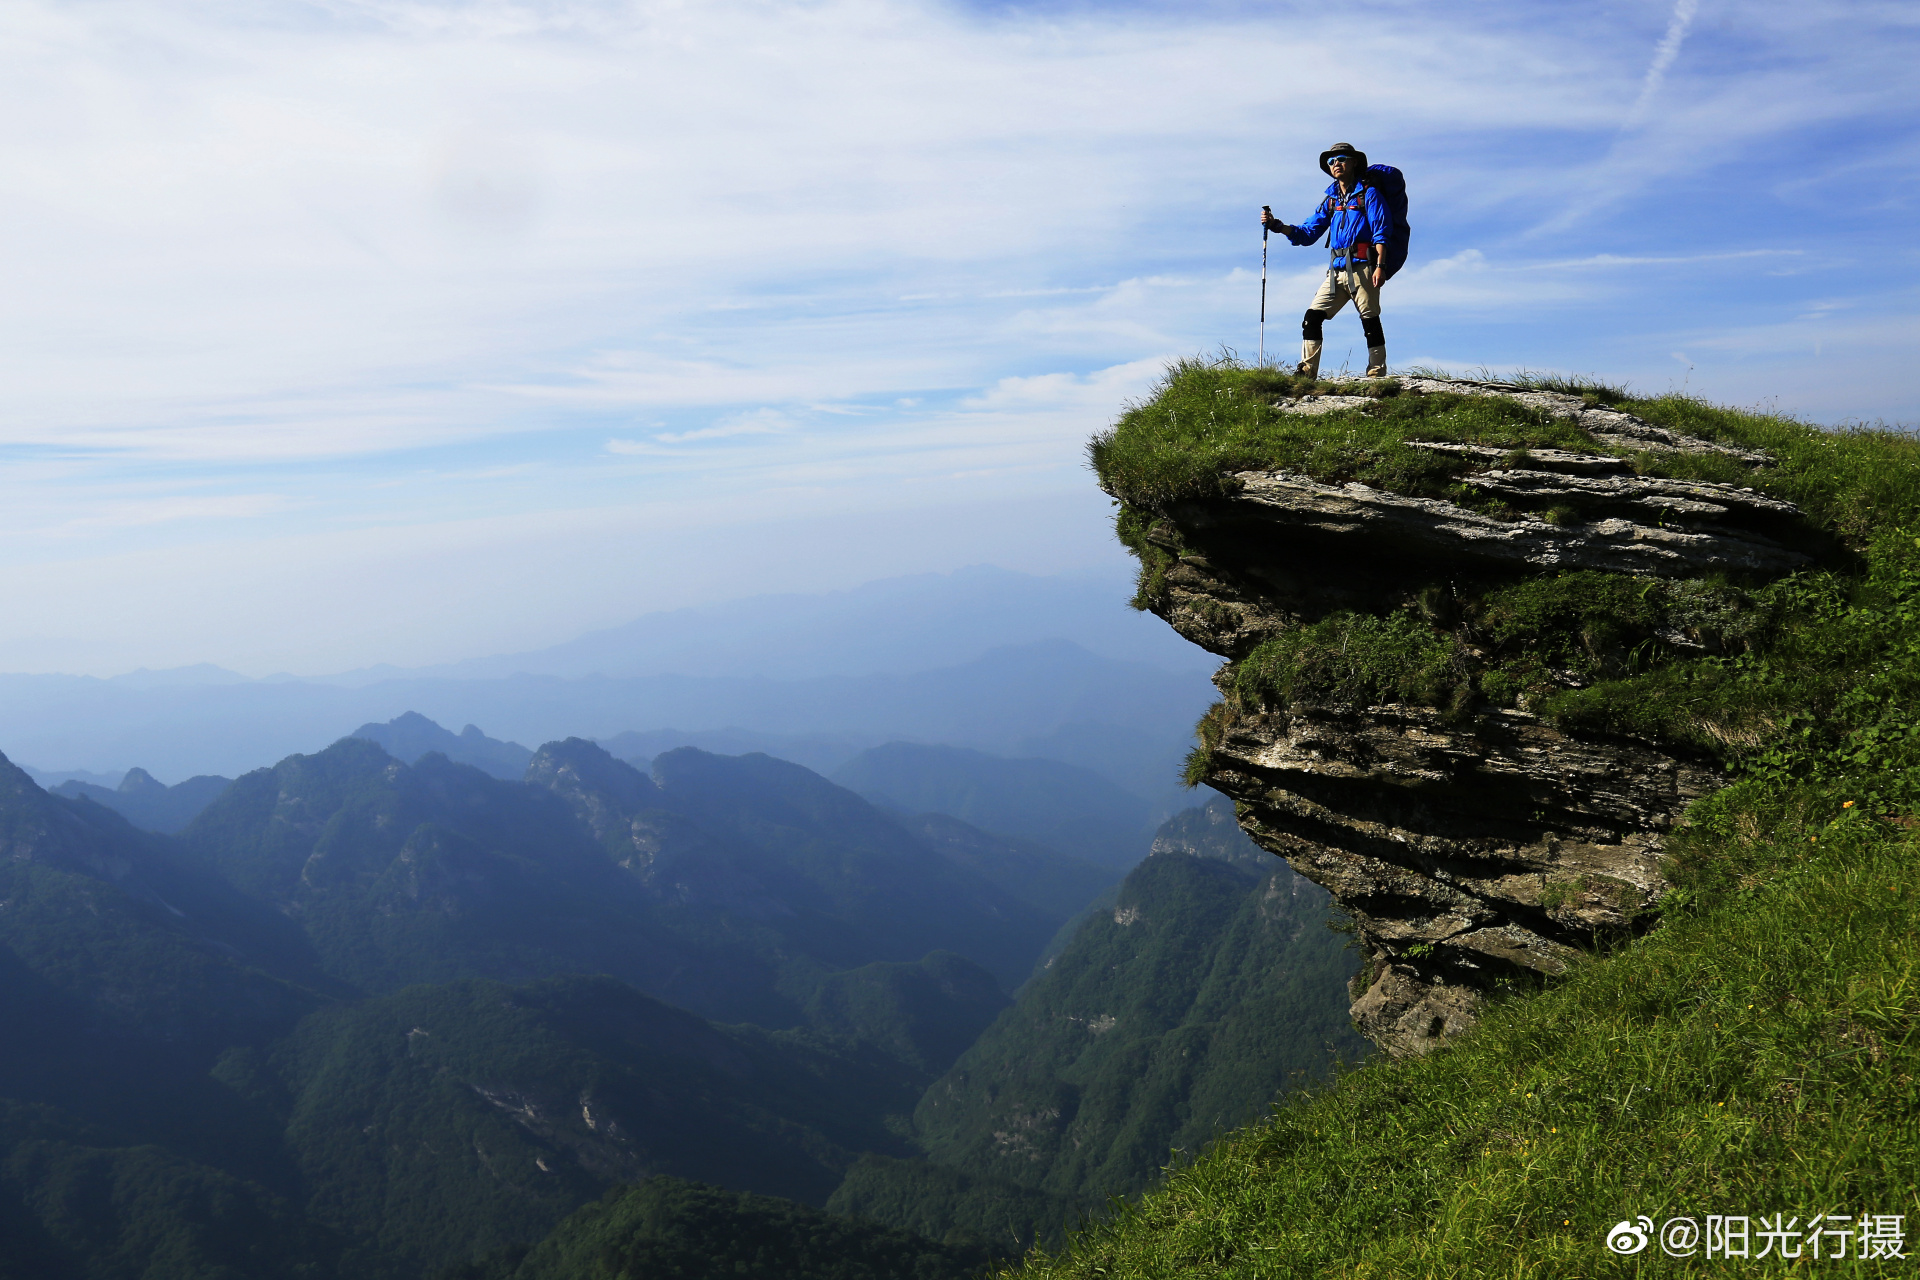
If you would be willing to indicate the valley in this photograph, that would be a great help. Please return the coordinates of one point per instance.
(407, 1004)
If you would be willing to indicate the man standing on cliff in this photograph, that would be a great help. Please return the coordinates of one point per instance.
(1359, 221)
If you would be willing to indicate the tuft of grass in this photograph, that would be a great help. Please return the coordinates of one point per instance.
(1357, 660)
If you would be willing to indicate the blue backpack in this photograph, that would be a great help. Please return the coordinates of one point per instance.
(1392, 186)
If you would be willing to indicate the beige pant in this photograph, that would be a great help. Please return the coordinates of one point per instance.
(1335, 291)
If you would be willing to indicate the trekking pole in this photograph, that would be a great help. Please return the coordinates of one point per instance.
(1268, 210)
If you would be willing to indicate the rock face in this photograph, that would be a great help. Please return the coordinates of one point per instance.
(1467, 850)
(1463, 854)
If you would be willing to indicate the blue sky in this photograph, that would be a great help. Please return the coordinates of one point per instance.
(343, 333)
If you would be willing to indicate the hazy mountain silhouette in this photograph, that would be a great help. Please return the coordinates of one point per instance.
(893, 625)
(818, 752)
(995, 702)
(1055, 804)
(148, 803)
(410, 735)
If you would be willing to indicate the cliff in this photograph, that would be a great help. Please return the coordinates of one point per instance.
(1417, 591)
(1752, 1038)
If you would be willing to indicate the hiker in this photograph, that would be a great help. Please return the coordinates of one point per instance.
(1360, 223)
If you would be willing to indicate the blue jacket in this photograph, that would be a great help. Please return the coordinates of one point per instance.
(1359, 217)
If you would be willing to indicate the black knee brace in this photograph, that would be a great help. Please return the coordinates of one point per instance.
(1310, 327)
(1376, 336)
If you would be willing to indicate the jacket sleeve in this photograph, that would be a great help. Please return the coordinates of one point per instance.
(1311, 230)
(1379, 221)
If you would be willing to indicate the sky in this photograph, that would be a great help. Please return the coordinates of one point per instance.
(344, 333)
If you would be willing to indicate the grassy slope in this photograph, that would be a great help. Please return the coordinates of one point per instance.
(1755, 1053)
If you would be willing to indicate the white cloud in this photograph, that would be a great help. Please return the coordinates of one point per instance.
(1663, 56)
(1100, 390)
(421, 264)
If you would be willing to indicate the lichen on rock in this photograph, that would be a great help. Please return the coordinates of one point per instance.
(1408, 588)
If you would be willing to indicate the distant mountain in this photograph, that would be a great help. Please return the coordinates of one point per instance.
(411, 735)
(47, 780)
(729, 885)
(894, 625)
(338, 1026)
(1210, 987)
(1059, 805)
(138, 941)
(880, 893)
(1057, 883)
(819, 753)
(1212, 831)
(402, 874)
(200, 673)
(1051, 691)
(187, 1077)
(148, 803)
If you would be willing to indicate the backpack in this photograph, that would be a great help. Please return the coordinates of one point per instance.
(1392, 186)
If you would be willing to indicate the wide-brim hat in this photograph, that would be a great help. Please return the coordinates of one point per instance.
(1346, 149)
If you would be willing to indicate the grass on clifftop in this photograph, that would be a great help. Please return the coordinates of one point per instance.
(1756, 1054)
(1710, 666)
(1209, 418)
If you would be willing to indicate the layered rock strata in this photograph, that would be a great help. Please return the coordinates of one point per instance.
(1467, 850)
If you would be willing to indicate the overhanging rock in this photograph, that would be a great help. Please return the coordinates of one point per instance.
(1471, 849)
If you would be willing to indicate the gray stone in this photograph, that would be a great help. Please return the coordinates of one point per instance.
(1608, 426)
(1472, 850)
(1463, 853)
(1634, 536)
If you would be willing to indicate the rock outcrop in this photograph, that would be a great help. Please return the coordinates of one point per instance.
(1469, 848)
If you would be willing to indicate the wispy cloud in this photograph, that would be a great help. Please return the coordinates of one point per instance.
(427, 267)
(759, 422)
(1663, 57)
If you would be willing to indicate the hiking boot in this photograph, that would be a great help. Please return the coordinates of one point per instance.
(1309, 366)
(1376, 362)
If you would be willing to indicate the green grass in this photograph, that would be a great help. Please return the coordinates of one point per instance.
(1590, 651)
(1207, 419)
(1755, 1055)
(1755, 1052)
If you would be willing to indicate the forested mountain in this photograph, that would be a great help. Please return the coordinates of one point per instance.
(730, 886)
(219, 1054)
(441, 1122)
(676, 1230)
(127, 978)
(1177, 1017)
(759, 857)
(1211, 985)
(370, 1019)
